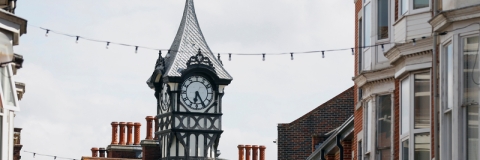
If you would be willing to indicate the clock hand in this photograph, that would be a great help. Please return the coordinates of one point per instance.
(200, 98)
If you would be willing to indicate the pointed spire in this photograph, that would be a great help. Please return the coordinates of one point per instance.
(188, 40)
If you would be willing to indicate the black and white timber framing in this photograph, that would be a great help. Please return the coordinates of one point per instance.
(185, 133)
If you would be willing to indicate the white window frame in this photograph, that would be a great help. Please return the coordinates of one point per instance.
(367, 50)
(420, 10)
(392, 127)
(410, 136)
(400, 13)
(462, 111)
(14, 90)
(447, 113)
(375, 12)
(3, 140)
(368, 151)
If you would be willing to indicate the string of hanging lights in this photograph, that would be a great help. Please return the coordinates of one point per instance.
(137, 47)
(46, 155)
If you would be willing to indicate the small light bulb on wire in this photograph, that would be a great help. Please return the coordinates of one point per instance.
(291, 55)
(323, 54)
(383, 49)
(218, 56)
(229, 57)
(353, 51)
(263, 56)
(160, 53)
(413, 40)
(108, 43)
(77, 39)
(136, 49)
(46, 34)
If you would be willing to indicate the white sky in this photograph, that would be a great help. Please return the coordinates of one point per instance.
(74, 91)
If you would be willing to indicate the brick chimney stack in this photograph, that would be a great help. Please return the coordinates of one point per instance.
(262, 152)
(248, 148)
(114, 133)
(94, 152)
(137, 133)
(240, 152)
(255, 152)
(129, 133)
(102, 152)
(122, 133)
(149, 127)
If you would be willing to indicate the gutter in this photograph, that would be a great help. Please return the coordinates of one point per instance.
(339, 145)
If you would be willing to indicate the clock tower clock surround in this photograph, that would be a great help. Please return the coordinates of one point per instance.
(189, 86)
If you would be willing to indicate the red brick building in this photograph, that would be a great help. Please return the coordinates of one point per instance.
(297, 140)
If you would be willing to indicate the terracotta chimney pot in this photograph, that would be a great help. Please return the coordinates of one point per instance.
(149, 127)
(262, 152)
(129, 133)
(241, 155)
(156, 128)
(255, 152)
(94, 152)
(102, 152)
(122, 133)
(114, 133)
(247, 153)
(137, 133)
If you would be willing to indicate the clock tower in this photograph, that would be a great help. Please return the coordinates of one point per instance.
(189, 83)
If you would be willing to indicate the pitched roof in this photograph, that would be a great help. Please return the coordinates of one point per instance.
(188, 41)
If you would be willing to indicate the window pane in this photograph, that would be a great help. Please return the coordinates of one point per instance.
(449, 57)
(382, 19)
(368, 28)
(384, 124)
(404, 6)
(7, 86)
(369, 126)
(360, 43)
(447, 140)
(471, 94)
(422, 101)
(405, 106)
(360, 151)
(405, 150)
(422, 146)
(417, 4)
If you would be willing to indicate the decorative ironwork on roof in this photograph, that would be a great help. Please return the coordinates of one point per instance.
(188, 41)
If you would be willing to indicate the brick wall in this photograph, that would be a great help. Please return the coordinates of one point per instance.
(295, 138)
(151, 152)
(347, 150)
(396, 120)
(358, 116)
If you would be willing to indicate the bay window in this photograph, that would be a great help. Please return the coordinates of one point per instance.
(367, 29)
(471, 98)
(8, 92)
(368, 124)
(384, 127)
(417, 4)
(403, 6)
(382, 19)
(447, 99)
(415, 116)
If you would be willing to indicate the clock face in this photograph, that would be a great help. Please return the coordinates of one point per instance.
(196, 92)
(165, 100)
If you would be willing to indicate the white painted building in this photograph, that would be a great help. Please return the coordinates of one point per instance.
(11, 28)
